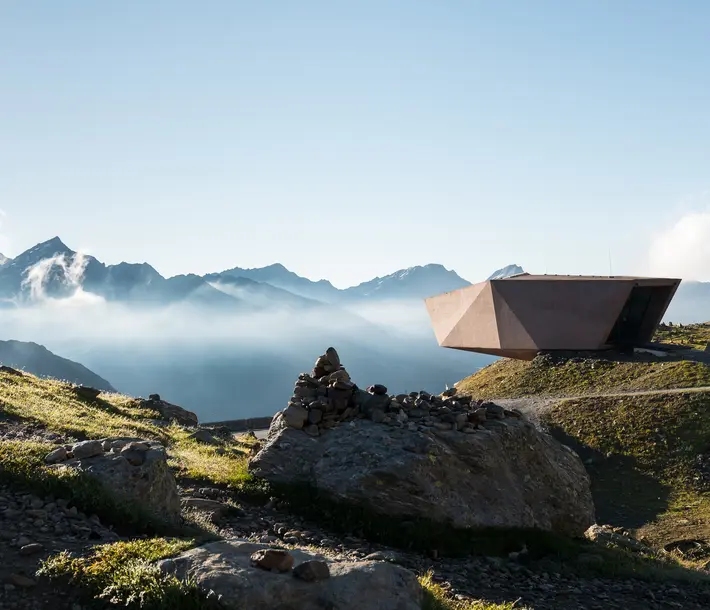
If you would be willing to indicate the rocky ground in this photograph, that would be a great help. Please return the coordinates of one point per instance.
(543, 586)
(33, 528)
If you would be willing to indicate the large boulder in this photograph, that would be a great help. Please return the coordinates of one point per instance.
(228, 568)
(130, 469)
(504, 473)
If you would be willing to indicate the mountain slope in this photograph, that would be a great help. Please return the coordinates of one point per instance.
(412, 283)
(278, 276)
(38, 360)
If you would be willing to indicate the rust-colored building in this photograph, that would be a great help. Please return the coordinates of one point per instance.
(521, 315)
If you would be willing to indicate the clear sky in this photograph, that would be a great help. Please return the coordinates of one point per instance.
(347, 139)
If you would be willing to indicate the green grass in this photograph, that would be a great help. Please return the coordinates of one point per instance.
(124, 574)
(696, 336)
(55, 406)
(643, 451)
(437, 598)
(519, 378)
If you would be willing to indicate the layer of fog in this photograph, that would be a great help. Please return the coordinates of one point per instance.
(229, 365)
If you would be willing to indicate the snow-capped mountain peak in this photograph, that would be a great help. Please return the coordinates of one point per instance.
(506, 271)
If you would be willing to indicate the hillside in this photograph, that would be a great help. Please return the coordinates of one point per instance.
(642, 427)
(38, 360)
(36, 415)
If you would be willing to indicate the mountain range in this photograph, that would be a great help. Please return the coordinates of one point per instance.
(56, 271)
(229, 344)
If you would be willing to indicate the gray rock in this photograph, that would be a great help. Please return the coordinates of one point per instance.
(295, 416)
(315, 416)
(279, 560)
(312, 571)
(87, 449)
(151, 483)
(86, 392)
(203, 436)
(332, 357)
(377, 415)
(31, 549)
(226, 568)
(503, 476)
(215, 508)
(58, 455)
(170, 411)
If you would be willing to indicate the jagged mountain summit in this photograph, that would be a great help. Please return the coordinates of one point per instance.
(4, 259)
(412, 283)
(278, 276)
(507, 271)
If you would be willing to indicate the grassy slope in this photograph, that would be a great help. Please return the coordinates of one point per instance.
(53, 405)
(517, 378)
(642, 452)
(122, 571)
(692, 335)
(641, 449)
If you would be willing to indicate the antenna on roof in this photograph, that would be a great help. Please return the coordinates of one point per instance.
(610, 273)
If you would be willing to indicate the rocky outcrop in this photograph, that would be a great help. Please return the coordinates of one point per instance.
(130, 468)
(463, 463)
(247, 575)
(170, 411)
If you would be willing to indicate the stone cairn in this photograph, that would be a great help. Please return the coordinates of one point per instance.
(327, 396)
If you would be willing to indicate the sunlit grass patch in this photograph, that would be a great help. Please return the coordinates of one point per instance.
(437, 597)
(124, 574)
(507, 378)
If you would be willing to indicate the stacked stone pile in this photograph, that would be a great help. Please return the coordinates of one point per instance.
(328, 396)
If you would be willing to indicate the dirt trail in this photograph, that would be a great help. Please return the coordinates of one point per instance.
(533, 407)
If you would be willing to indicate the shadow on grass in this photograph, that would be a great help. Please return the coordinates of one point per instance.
(623, 495)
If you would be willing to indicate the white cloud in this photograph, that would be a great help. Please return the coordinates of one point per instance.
(683, 249)
(72, 271)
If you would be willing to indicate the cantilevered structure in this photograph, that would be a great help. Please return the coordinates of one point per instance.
(521, 315)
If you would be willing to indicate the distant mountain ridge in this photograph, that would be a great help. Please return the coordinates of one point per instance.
(38, 360)
(57, 271)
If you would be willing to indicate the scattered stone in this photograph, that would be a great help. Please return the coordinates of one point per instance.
(22, 581)
(58, 455)
(87, 449)
(215, 508)
(170, 411)
(312, 571)
(377, 389)
(203, 436)
(272, 559)
(86, 392)
(31, 549)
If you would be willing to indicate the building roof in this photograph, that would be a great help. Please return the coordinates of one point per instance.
(521, 315)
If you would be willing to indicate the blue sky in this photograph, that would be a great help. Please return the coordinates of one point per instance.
(350, 139)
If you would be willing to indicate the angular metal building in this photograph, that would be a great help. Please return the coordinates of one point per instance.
(521, 315)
